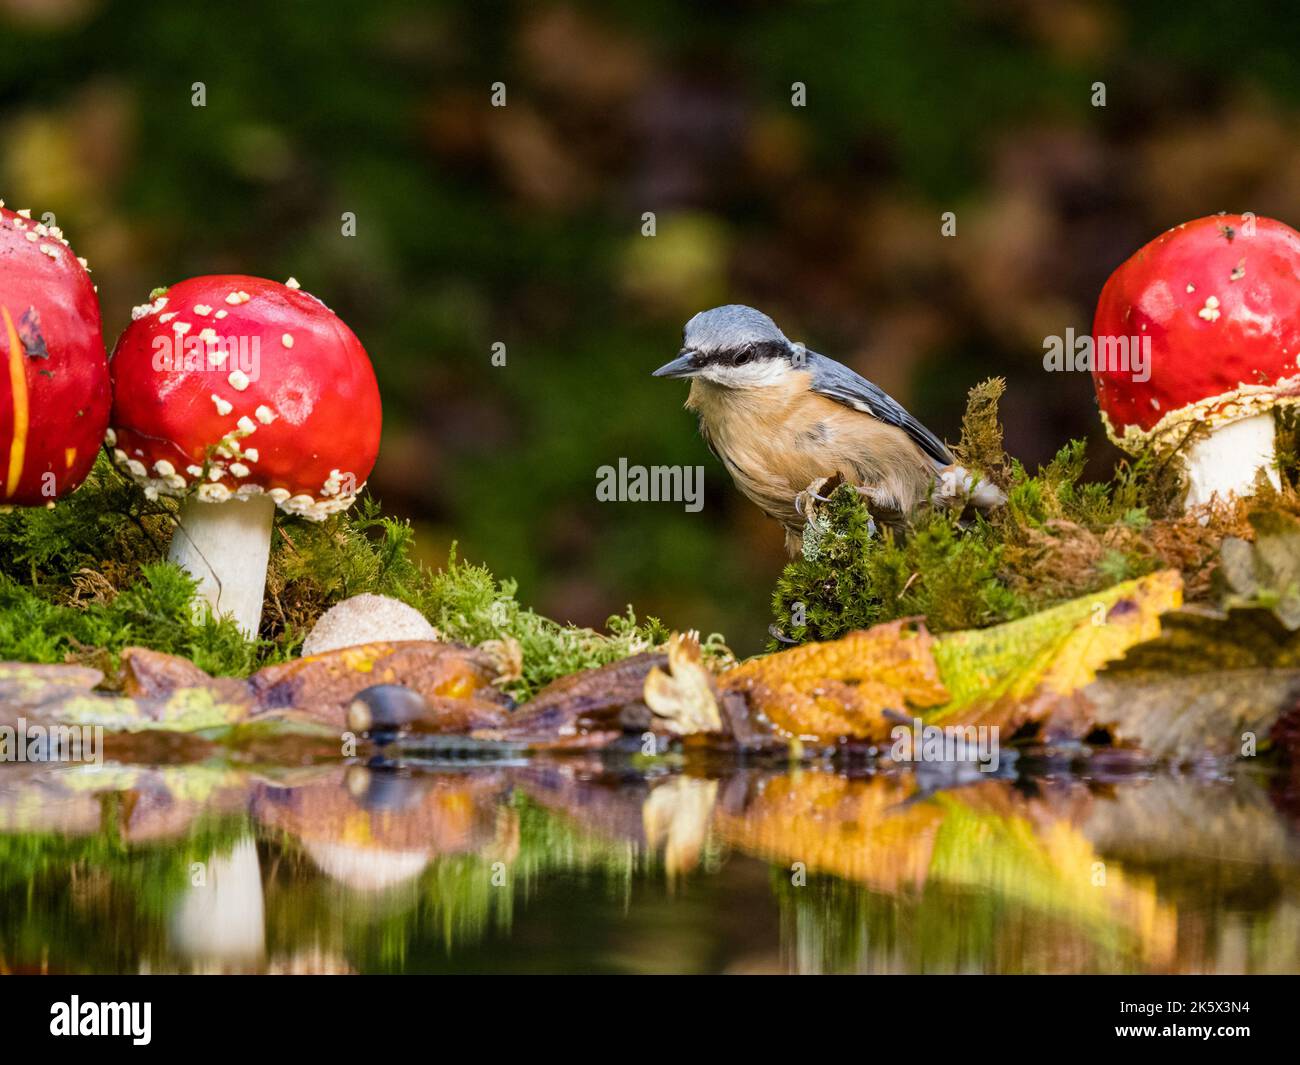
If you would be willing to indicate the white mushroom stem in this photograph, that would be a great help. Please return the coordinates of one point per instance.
(1224, 462)
(225, 547)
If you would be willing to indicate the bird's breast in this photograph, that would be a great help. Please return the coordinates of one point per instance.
(776, 441)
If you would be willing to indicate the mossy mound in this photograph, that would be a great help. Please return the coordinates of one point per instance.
(1057, 538)
(83, 579)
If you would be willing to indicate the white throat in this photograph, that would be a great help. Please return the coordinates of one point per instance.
(761, 373)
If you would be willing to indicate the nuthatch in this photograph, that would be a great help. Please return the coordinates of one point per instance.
(783, 418)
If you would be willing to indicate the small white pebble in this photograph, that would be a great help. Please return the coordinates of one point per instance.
(194, 471)
(164, 468)
(251, 454)
(238, 380)
(1210, 312)
(287, 340)
(110, 437)
(264, 414)
(246, 424)
(202, 310)
(292, 283)
(224, 406)
(167, 317)
(239, 469)
(221, 314)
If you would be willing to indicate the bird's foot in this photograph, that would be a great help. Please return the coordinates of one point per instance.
(803, 502)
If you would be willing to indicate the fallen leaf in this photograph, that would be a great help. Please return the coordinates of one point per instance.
(607, 700)
(842, 688)
(323, 685)
(1185, 718)
(1024, 670)
(1265, 573)
(683, 698)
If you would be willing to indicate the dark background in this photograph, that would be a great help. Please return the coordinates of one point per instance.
(522, 224)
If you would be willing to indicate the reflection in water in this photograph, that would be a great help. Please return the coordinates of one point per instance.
(219, 920)
(574, 864)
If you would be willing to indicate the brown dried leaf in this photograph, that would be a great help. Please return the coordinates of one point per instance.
(444, 674)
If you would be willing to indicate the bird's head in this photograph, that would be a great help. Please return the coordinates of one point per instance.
(735, 347)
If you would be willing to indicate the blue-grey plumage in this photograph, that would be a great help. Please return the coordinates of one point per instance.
(781, 418)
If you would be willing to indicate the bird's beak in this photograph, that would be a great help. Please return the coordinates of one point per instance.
(685, 365)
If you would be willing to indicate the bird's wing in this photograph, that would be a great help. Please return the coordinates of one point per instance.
(836, 381)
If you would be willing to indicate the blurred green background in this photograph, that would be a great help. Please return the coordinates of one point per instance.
(522, 224)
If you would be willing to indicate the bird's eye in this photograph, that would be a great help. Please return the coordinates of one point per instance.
(740, 358)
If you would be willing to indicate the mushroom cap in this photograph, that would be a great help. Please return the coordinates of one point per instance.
(230, 386)
(54, 386)
(1219, 298)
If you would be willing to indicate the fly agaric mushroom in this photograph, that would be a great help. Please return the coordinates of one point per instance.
(54, 388)
(1214, 308)
(240, 395)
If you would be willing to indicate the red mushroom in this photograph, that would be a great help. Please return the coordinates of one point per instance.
(1214, 305)
(54, 388)
(239, 395)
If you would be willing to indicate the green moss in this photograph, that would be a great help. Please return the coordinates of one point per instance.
(858, 578)
(153, 612)
(1057, 537)
(88, 577)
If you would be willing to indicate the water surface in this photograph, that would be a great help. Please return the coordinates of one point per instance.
(578, 865)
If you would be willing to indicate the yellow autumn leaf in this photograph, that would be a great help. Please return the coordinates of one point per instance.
(843, 687)
(1013, 673)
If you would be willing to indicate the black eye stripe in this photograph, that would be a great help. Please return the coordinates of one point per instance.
(764, 349)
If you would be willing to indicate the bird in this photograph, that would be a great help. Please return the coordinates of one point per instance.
(784, 419)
